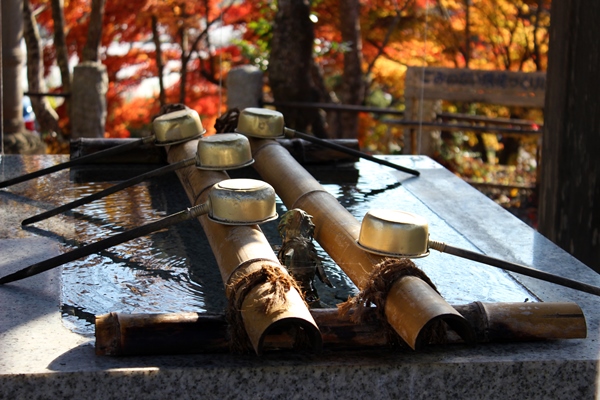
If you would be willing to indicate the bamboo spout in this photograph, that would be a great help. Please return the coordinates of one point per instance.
(241, 251)
(337, 232)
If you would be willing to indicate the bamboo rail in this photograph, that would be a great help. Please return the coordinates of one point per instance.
(411, 309)
(120, 334)
(241, 251)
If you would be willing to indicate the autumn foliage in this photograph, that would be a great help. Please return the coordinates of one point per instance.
(204, 39)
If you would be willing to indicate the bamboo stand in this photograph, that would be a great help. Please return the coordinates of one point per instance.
(187, 333)
(241, 251)
(412, 307)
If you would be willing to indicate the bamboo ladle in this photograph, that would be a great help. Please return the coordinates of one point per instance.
(269, 124)
(218, 152)
(174, 127)
(230, 202)
(394, 233)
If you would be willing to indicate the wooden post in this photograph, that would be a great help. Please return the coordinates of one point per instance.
(569, 211)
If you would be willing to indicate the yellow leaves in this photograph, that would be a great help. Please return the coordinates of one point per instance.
(390, 74)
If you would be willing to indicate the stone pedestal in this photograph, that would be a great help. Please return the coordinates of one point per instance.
(244, 87)
(41, 358)
(88, 100)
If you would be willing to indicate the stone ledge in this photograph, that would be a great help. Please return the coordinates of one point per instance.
(40, 358)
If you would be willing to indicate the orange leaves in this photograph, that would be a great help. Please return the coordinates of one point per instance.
(509, 34)
(129, 116)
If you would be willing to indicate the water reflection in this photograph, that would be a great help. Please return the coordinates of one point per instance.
(164, 272)
(175, 271)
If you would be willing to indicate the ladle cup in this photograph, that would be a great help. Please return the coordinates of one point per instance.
(400, 234)
(218, 152)
(230, 202)
(269, 124)
(172, 128)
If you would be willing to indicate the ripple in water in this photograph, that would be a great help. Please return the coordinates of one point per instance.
(163, 272)
(174, 270)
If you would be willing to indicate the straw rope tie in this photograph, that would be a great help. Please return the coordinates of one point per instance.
(227, 122)
(279, 284)
(379, 283)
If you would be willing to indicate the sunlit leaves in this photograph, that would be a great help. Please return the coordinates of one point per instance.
(503, 34)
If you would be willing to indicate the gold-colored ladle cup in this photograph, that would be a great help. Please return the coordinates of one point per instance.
(218, 152)
(172, 128)
(400, 234)
(264, 123)
(231, 202)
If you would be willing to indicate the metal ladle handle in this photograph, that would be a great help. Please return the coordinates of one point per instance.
(104, 244)
(76, 161)
(291, 133)
(513, 267)
(108, 191)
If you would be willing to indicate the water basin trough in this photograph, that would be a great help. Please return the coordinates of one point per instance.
(46, 323)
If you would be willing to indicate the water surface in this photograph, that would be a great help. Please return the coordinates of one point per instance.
(174, 270)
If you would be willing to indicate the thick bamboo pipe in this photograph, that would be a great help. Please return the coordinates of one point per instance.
(239, 252)
(337, 232)
(120, 334)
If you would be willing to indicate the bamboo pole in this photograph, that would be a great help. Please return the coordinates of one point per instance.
(120, 334)
(410, 310)
(241, 251)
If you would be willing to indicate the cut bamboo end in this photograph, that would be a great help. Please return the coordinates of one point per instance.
(274, 315)
(414, 309)
(533, 321)
(108, 335)
(289, 319)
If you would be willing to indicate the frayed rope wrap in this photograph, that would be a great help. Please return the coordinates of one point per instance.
(227, 122)
(279, 284)
(379, 283)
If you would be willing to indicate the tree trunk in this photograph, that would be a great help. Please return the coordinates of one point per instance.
(60, 44)
(94, 37)
(569, 212)
(12, 66)
(90, 82)
(353, 86)
(159, 62)
(290, 65)
(15, 138)
(184, 60)
(46, 116)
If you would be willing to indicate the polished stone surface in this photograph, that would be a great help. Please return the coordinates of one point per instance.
(40, 358)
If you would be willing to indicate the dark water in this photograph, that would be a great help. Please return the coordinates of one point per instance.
(175, 271)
